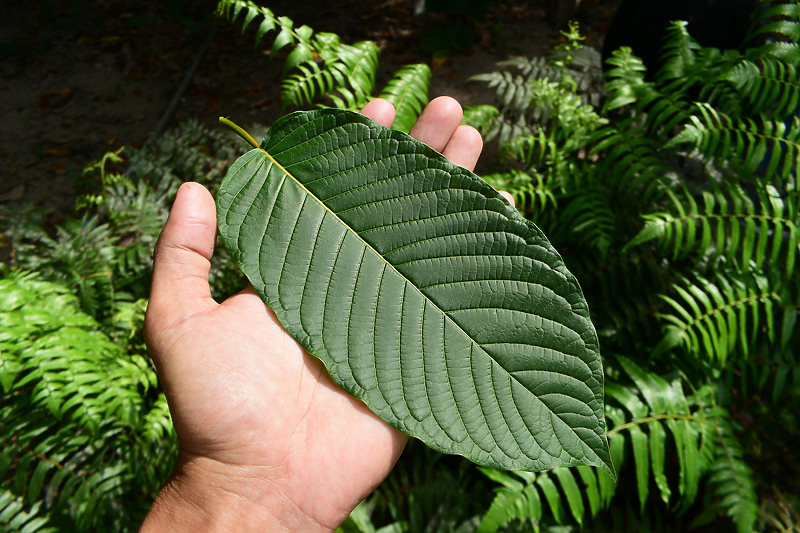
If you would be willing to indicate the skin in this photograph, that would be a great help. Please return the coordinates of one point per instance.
(267, 441)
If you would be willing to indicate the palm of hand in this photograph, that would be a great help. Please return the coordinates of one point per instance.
(243, 394)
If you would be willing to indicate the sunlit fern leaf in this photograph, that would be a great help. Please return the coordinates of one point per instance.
(511, 502)
(729, 223)
(480, 117)
(66, 407)
(626, 79)
(665, 397)
(781, 19)
(344, 98)
(663, 109)
(356, 66)
(531, 193)
(303, 87)
(751, 143)
(711, 319)
(730, 477)
(523, 497)
(638, 410)
(17, 516)
(571, 492)
(771, 87)
(408, 92)
(679, 54)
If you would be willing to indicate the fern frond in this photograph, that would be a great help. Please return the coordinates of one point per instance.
(729, 223)
(667, 402)
(303, 87)
(630, 161)
(480, 117)
(299, 38)
(408, 92)
(663, 109)
(711, 318)
(626, 83)
(771, 87)
(524, 496)
(591, 218)
(356, 66)
(17, 517)
(70, 404)
(511, 91)
(679, 54)
(730, 477)
(721, 138)
(782, 19)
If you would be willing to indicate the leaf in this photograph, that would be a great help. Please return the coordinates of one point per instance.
(422, 290)
(408, 93)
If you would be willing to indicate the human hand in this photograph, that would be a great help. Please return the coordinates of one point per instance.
(267, 441)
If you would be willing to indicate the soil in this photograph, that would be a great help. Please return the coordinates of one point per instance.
(80, 78)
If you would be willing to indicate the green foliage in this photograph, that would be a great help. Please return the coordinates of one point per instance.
(674, 202)
(384, 229)
(677, 209)
(319, 65)
(85, 432)
(81, 419)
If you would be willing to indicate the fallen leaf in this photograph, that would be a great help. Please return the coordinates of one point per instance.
(112, 141)
(59, 152)
(58, 168)
(55, 98)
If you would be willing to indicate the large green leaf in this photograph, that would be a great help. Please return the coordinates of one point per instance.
(422, 290)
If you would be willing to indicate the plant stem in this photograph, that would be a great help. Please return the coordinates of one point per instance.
(240, 132)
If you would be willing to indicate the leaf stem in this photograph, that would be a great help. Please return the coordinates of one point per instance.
(240, 132)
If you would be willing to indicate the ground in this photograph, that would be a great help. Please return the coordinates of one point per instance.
(80, 78)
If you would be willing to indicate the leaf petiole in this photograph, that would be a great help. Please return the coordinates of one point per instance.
(240, 132)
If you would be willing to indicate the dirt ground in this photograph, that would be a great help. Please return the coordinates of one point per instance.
(80, 78)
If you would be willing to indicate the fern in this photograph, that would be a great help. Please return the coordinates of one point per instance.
(720, 138)
(781, 19)
(730, 477)
(713, 318)
(322, 66)
(643, 414)
(408, 91)
(72, 402)
(772, 88)
(17, 517)
(730, 224)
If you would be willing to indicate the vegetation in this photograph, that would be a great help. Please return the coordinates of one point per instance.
(674, 202)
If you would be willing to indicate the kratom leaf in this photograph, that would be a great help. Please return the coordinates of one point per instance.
(422, 290)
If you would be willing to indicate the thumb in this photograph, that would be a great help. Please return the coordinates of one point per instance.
(181, 262)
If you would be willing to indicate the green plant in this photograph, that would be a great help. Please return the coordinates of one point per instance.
(676, 206)
(83, 430)
(85, 433)
(320, 65)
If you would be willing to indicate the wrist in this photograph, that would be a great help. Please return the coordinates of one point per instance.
(203, 495)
